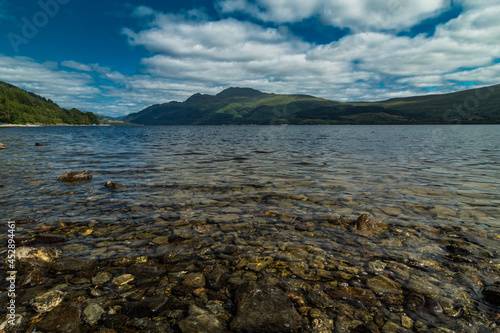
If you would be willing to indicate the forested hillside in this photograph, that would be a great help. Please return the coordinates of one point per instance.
(18, 106)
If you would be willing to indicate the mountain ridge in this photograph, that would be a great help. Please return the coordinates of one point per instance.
(237, 105)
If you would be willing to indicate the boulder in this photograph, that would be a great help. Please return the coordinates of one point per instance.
(263, 308)
(75, 177)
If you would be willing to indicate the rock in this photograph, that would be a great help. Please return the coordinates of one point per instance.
(42, 255)
(50, 238)
(123, 279)
(194, 280)
(319, 298)
(262, 308)
(492, 293)
(383, 285)
(47, 301)
(2, 146)
(218, 277)
(367, 224)
(362, 329)
(174, 253)
(75, 177)
(201, 321)
(63, 319)
(17, 324)
(323, 325)
(38, 144)
(113, 185)
(391, 327)
(93, 313)
(344, 324)
(147, 307)
(148, 270)
(102, 278)
(80, 267)
(33, 278)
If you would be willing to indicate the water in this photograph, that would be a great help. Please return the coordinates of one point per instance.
(272, 191)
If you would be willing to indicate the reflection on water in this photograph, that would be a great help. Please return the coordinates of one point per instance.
(275, 203)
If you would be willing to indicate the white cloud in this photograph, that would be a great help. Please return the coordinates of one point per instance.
(231, 52)
(190, 54)
(77, 66)
(358, 15)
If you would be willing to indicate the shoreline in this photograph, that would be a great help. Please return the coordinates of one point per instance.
(45, 125)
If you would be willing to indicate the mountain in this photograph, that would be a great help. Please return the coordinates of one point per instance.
(249, 106)
(18, 106)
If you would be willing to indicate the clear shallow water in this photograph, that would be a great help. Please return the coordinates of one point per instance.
(282, 193)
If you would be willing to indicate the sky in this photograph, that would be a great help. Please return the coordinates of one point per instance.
(116, 57)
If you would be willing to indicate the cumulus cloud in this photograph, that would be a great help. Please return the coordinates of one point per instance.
(43, 79)
(233, 52)
(191, 53)
(358, 15)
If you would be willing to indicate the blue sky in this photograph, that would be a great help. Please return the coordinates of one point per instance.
(113, 57)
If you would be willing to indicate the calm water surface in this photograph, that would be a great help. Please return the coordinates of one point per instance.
(280, 194)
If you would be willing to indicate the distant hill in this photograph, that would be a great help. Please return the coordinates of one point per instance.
(105, 120)
(249, 106)
(18, 106)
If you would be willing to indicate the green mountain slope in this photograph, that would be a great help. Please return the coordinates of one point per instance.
(249, 106)
(18, 106)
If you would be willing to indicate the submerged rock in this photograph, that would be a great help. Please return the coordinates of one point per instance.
(93, 313)
(147, 307)
(33, 255)
(262, 308)
(75, 177)
(47, 301)
(50, 238)
(63, 319)
(367, 224)
(81, 267)
(492, 293)
(201, 321)
(123, 279)
(194, 280)
(102, 278)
